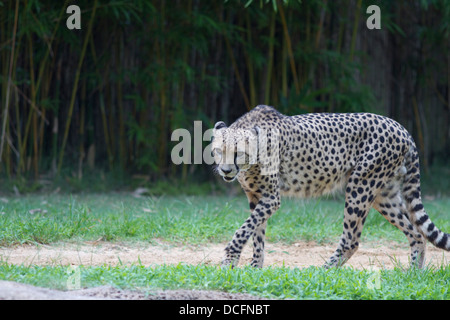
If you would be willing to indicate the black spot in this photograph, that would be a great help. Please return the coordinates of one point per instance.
(422, 220)
(443, 242)
(416, 194)
(433, 236)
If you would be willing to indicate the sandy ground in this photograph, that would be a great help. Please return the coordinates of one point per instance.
(300, 255)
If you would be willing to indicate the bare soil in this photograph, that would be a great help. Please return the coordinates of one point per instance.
(301, 254)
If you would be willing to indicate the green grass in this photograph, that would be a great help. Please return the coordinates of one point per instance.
(117, 217)
(270, 282)
(185, 219)
(206, 219)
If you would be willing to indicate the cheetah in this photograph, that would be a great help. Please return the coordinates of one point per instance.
(372, 157)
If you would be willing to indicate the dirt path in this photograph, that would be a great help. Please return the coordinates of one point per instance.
(301, 254)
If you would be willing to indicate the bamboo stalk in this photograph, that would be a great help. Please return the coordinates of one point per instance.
(81, 130)
(317, 44)
(275, 87)
(306, 66)
(251, 73)
(284, 78)
(8, 153)
(270, 59)
(19, 132)
(5, 111)
(321, 21)
(3, 59)
(185, 166)
(33, 102)
(45, 93)
(308, 23)
(75, 87)
(102, 105)
(355, 28)
(105, 132)
(160, 56)
(23, 154)
(236, 73)
(420, 132)
(55, 126)
(289, 47)
(5, 66)
(110, 111)
(341, 31)
(122, 148)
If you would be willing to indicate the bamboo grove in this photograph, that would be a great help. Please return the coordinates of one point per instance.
(109, 95)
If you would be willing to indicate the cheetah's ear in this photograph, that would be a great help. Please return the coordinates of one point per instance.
(220, 125)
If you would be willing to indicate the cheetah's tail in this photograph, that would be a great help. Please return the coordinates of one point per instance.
(412, 195)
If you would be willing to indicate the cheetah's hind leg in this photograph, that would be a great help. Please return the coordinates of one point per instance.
(392, 206)
(357, 206)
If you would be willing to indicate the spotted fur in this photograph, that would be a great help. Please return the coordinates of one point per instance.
(372, 157)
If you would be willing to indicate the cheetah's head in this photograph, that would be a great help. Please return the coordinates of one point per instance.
(234, 150)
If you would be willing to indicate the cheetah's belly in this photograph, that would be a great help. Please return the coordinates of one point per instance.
(314, 183)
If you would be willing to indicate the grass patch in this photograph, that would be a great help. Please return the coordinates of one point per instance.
(271, 282)
(39, 219)
(115, 217)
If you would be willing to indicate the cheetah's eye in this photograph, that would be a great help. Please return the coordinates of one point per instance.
(240, 154)
(217, 152)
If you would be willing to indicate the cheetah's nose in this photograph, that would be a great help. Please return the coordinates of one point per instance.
(226, 171)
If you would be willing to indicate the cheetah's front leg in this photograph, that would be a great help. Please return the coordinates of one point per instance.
(253, 226)
(258, 246)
